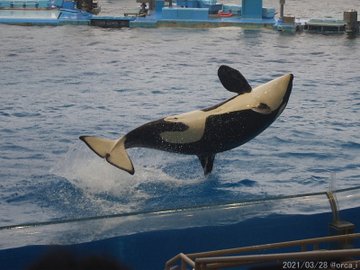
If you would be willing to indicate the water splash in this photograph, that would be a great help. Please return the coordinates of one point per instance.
(156, 176)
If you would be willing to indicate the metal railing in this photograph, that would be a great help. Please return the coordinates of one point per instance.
(308, 256)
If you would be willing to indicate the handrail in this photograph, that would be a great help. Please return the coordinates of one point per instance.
(294, 243)
(182, 257)
(227, 257)
(187, 260)
(333, 204)
(309, 257)
(315, 254)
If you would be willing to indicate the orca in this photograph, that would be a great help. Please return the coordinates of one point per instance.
(206, 132)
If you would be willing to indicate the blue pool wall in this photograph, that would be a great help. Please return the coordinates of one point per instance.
(151, 250)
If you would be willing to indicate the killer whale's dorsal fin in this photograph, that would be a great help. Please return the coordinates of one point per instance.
(233, 80)
(207, 162)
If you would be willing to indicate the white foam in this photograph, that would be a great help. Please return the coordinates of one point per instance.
(94, 175)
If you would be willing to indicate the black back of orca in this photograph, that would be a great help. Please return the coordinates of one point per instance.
(227, 131)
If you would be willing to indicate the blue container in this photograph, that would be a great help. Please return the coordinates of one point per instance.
(268, 13)
(188, 3)
(43, 4)
(251, 9)
(59, 3)
(211, 5)
(178, 13)
(159, 4)
(69, 4)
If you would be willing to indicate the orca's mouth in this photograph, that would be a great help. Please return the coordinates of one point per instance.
(289, 88)
(286, 96)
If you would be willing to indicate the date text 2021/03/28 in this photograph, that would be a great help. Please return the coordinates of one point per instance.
(309, 265)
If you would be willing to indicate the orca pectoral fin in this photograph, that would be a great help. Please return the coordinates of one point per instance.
(233, 80)
(207, 162)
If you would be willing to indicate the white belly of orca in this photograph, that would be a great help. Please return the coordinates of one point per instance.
(205, 132)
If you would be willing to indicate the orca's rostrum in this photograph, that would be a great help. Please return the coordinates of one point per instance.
(204, 132)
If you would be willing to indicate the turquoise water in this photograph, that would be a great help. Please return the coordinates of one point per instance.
(58, 83)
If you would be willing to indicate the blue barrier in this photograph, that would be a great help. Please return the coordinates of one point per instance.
(185, 13)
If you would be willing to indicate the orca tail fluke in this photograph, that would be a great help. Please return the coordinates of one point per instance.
(113, 151)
